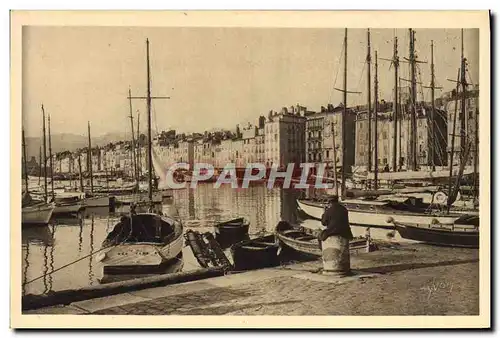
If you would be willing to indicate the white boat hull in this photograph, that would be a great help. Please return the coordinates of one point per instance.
(138, 198)
(68, 209)
(37, 214)
(99, 201)
(380, 219)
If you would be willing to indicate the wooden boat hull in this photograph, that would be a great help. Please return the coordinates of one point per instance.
(256, 253)
(301, 242)
(118, 275)
(142, 255)
(37, 214)
(372, 216)
(445, 236)
(232, 232)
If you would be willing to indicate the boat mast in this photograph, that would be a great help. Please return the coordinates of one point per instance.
(400, 106)
(376, 122)
(150, 150)
(335, 187)
(134, 159)
(44, 157)
(50, 160)
(80, 171)
(433, 111)
(40, 172)
(413, 129)
(396, 107)
(139, 165)
(25, 164)
(344, 116)
(463, 82)
(369, 103)
(452, 151)
(90, 161)
(476, 151)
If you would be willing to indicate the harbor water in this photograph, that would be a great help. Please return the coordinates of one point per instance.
(65, 240)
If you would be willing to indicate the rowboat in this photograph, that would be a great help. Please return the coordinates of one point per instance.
(300, 241)
(142, 243)
(375, 213)
(39, 213)
(255, 253)
(463, 232)
(231, 232)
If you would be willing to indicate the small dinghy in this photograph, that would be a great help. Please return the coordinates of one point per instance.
(261, 252)
(464, 232)
(231, 232)
(300, 241)
(143, 243)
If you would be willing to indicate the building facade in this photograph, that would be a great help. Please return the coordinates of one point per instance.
(284, 138)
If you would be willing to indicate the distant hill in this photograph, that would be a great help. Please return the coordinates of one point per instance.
(64, 141)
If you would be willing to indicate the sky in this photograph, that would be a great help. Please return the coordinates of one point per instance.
(215, 77)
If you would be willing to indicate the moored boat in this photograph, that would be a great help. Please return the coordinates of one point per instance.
(255, 253)
(375, 213)
(463, 232)
(139, 198)
(142, 243)
(231, 232)
(68, 204)
(39, 213)
(298, 240)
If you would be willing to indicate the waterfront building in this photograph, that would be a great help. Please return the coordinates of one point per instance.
(471, 117)
(385, 137)
(284, 137)
(321, 127)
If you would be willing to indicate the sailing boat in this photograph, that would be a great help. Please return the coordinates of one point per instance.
(32, 211)
(379, 212)
(144, 242)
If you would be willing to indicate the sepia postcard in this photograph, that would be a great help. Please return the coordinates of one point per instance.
(251, 169)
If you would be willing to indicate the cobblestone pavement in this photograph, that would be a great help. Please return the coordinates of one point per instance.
(421, 281)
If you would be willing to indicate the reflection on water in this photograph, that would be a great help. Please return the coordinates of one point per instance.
(66, 240)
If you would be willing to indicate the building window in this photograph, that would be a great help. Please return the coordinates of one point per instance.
(328, 154)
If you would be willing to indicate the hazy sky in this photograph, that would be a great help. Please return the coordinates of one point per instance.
(216, 77)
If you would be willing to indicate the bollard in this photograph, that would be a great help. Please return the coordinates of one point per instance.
(336, 256)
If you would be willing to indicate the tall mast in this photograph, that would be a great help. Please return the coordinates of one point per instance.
(139, 165)
(150, 150)
(452, 151)
(335, 187)
(432, 136)
(90, 161)
(369, 103)
(413, 129)
(433, 111)
(80, 171)
(25, 164)
(344, 116)
(463, 82)
(376, 122)
(40, 161)
(44, 157)
(134, 159)
(50, 161)
(400, 107)
(396, 107)
(476, 152)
